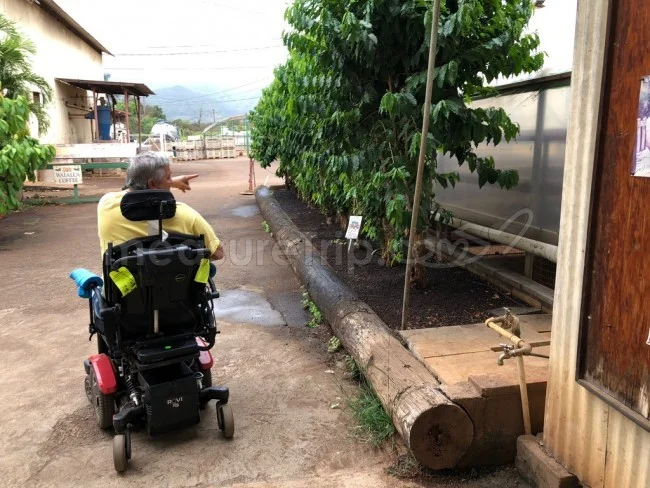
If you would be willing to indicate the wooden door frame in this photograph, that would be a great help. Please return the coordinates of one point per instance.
(612, 401)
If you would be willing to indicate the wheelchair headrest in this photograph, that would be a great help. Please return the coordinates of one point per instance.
(138, 205)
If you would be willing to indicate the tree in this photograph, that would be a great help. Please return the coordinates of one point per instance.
(20, 154)
(16, 75)
(343, 114)
(151, 114)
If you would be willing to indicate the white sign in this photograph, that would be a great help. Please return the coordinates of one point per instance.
(354, 227)
(96, 150)
(68, 174)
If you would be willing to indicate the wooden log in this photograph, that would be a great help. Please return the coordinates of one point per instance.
(437, 431)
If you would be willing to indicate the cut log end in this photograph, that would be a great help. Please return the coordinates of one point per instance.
(441, 436)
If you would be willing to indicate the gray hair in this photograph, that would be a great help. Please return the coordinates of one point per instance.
(144, 168)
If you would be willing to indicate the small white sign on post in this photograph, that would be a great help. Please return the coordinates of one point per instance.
(354, 227)
(70, 174)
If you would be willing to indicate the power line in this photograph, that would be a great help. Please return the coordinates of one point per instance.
(178, 46)
(172, 100)
(222, 51)
(188, 68)
(235, 100)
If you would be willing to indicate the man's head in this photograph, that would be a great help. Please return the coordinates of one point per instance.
(149, 171)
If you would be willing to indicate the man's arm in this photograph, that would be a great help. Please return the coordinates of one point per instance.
(218, 253)
(201, 227)
(182, 182)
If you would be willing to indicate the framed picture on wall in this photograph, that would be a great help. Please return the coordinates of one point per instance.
(641, 165)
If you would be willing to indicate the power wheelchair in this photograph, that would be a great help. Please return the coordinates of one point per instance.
(155, 327)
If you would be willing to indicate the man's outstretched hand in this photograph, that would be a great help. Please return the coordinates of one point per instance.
(182, 182)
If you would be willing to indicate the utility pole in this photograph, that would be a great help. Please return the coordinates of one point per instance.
(200, 115)
(214, 116)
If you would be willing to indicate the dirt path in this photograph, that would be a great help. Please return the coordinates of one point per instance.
(286, 433)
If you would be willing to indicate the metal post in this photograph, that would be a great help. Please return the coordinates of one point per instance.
(433, 43)
(126, 107)
(251, 164)
(139, 124)
(528, 265)
(96, 115)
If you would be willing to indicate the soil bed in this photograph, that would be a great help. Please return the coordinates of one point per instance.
(453, 296)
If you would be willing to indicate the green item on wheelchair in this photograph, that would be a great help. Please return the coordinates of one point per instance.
(124, 280)
(203, 273)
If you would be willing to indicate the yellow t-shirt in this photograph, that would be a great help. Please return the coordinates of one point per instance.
(113, 227)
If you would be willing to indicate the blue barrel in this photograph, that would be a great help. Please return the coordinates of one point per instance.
(104, 115)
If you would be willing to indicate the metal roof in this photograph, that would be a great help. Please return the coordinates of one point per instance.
(110, 87)
(58, 13)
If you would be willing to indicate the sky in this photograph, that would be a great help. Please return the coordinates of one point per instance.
(239, 40)
(203, 44)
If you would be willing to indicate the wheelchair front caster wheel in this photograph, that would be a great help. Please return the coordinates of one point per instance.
(121, 452)
(226, 420)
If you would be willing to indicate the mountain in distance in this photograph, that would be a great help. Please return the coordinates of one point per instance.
(182, 102)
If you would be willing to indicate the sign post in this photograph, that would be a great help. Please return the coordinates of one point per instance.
(70, 174)
(352, 233)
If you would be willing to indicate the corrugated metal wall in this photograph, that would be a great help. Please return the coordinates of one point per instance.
(594, 441)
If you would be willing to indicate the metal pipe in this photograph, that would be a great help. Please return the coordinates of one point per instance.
(521, 348)
(541, 249)
(156, 326)
(433, 45)
(523, 386)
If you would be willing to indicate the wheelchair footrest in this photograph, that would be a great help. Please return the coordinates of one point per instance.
(219, 393)
(126, 416)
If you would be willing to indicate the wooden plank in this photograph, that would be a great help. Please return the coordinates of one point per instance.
(614, 349)
(462, 339)
(458, 369)
(95, 150)
(95, 165)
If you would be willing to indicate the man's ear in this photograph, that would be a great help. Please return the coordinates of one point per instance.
(151, 185)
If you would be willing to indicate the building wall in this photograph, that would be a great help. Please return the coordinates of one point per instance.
(60, 54)
(592, 440)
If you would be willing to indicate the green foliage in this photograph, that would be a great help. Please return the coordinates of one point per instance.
(334, 344)
(344, 113)
(150, 115)
(353, 368)
(16, 75)
(266, 227)
(374, 425)
(316, 317)
(20, 154)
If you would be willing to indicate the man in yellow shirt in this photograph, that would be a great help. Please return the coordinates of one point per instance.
(152, 171)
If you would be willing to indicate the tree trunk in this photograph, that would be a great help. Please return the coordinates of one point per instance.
(437, 431)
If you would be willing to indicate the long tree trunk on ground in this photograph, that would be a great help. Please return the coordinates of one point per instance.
(437, 431)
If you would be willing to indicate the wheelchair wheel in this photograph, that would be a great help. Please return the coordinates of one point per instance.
(88, 389)
(120, 458)
(104, 405)
(226, 420)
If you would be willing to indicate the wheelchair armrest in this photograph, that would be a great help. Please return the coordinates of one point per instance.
(101, 308)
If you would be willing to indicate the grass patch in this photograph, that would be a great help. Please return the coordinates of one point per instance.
(374, 425)
(333, 345)
(316, 317)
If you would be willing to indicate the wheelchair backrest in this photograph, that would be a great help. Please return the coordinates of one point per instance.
(146, 275)
(155, 276)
